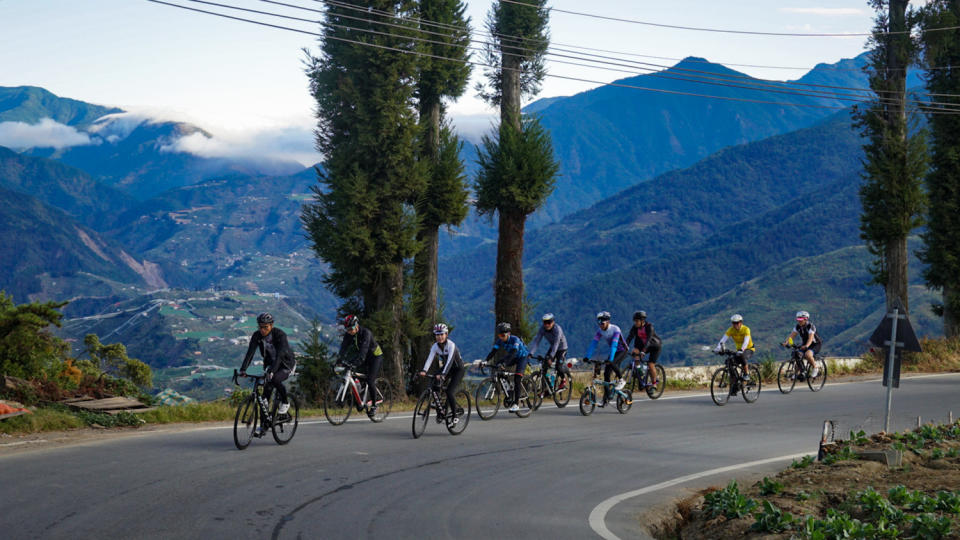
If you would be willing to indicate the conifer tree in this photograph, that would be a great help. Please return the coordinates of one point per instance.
(361, 221)
(517, 169)
(895, 160)
(941, 50)
(445, 200)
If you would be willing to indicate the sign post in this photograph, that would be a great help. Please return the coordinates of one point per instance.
(901, 338)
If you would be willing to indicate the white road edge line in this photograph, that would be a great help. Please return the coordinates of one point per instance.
(599, 512)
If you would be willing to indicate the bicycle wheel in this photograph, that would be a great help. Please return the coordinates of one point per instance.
(488, 398)
(751, 389)
(384, 400)
(656, 390)
(539, 388)
(285, 425)
(720, 386)
(421, 413)
(786, 377)
(816, 383)
(624, 402)
(458, 415)
(561, 394)
(337, 410)
(526, 397)
(588, 401)
(245, 423)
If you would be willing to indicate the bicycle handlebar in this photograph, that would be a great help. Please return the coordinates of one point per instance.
(237, 374)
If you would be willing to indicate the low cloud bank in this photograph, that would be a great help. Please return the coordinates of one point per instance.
(284, 144)
(45, 134)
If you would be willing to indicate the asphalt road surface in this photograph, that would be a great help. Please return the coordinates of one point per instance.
(544, 476)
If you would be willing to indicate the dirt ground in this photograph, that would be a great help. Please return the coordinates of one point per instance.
(812, 490)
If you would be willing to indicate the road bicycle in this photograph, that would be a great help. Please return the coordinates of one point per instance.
(255, 415)
(348, 390)
(592, 395)
(640, 378)
(546, 384)
(729, 379)
(493, 391)
(456, 418)
(798, 369)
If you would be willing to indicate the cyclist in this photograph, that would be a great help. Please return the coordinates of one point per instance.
(618, 350)
(809, 338)
(740, 334)
(645, 340)
(449, 361)
(558, 345)
(278, 359)
(510, 350)
(359, 341)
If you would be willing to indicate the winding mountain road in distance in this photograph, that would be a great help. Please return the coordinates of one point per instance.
(504, 478)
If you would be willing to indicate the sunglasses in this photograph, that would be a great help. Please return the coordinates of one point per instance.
(264, 325)
(502, 333)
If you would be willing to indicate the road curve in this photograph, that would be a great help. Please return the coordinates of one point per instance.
(508, 477)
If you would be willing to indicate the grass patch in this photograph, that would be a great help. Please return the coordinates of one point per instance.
(42, 419)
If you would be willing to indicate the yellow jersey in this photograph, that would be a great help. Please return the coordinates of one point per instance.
(739, 335)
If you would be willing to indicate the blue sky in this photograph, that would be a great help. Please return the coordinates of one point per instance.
(245, 83)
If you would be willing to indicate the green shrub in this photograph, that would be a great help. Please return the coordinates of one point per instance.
(42, 419)
(875, 505)
(802, 496)
(728, 502)
(803, 463)
(772, 519)
(769, 486)
(929, 526)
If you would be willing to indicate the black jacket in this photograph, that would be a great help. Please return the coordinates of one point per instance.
(653, 340)
(285, 356)
(359, 347)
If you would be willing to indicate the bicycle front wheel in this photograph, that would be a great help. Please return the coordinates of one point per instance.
(561, 394)
(245, 423)
(816, 383)
(421, 413)
(624, 401)
(751, 389)
(656, 390)
(458, 414)
(285, 425)
(488, 398)
(588, 402)
(539, 388)
(786, 377)
(526, 398)
(720, 386)
(337, 402)
(384, 401)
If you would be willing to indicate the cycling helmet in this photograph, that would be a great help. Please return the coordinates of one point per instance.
(548, 317)
(503, 328)
(637, 315)
(264, 318)
(736, 318)
(603, 316)
(440, 328)
(802, 315)
(351, 321)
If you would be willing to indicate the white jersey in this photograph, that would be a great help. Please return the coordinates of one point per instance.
(446, 353)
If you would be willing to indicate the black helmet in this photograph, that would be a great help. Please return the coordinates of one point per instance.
(503, 328)
(637, 315)
(264, 318)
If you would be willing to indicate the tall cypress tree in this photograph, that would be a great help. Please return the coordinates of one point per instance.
(895, 160)
(361, 221)
(518, 169)
(445, 199)
(941, 50)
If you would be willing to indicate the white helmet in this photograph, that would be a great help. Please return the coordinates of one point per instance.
(803, 315)
(547, 317)
(736, 318)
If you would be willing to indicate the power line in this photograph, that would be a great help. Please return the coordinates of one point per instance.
(722, 30)
(563, 77)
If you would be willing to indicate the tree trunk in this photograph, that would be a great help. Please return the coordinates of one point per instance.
(951, 326)
(508, 286)
(390, 298)
(425, 274)
(510, 91)
(896, 287)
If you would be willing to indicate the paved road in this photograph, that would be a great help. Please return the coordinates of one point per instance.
(508, 477)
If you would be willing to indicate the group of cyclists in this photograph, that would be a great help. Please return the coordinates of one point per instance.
(510, 351)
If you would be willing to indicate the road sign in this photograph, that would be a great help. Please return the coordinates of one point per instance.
(897, 326)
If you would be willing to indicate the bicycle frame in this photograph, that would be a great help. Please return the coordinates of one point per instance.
(352, 383)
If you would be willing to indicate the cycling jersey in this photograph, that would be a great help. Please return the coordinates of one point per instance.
(741, 338)
(644, 337)
(511, 350)
(362, 343)
(447, 354)
(555, 338)
(610, 335)
(803, 332)
(274, 348)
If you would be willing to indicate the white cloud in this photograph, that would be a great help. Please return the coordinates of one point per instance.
(119, 126)
(286, 143)
(827, 12)
(45, 134)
